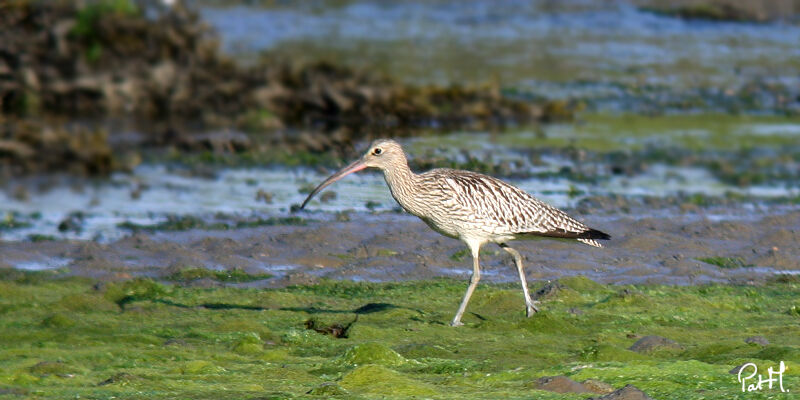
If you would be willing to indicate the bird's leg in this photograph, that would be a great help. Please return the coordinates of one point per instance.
(473, 282)
(530, 305)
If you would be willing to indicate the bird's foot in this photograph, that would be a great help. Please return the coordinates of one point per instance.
(456, 323)
(530, 308)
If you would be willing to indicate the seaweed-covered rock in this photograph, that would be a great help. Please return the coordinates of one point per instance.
(598, 386)
(652, 343)
(58, 368)
(757, 340)
(165, 71)
(548, 291)
(31, 146)
(328, 389)
(713, 10)
(629, 392)
(372, 353)
(58, 321)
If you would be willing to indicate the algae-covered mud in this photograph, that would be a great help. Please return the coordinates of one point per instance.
(152, 160)
(75, 337)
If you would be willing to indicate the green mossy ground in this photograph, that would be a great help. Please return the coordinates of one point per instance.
(72, 337)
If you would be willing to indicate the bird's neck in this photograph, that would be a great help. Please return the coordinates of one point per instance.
(399, 175)
(402, 183)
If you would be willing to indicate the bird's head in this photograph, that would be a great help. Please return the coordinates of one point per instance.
(384, 154)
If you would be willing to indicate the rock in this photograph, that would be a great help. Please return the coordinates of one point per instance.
(652, 343)
(758, 340)
(629, 392)
(15, 150)
(547, 291)
(596, 386)
(736, 369)
(559, 384)
(714, 11)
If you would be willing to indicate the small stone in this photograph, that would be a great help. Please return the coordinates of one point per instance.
(736, 369)
(175, 342)
(327, 197)
(559, 384)
(758, 340)
(576, 311)
(21, 193)
(262, 195)
(117, 378)
(652, 343)
(343, 216)
(629, 392)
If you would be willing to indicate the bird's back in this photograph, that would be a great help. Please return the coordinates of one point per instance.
(477, 203)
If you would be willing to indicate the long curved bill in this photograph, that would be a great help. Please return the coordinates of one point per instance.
(356, 166)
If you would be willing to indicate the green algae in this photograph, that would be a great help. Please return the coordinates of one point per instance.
(58, 321)
(726, 262)
(13, 220)
(187, 222)
(328, 390)
(607, 352)
(372, 353)
(134, 290)
(249, 343)
(613, 132)
(379, 380)
(232, 275)
(64, 336)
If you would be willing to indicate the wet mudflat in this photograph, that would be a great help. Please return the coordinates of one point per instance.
(740, 245)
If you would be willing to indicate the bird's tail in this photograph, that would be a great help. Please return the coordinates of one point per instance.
(590, 235)
(591, 242)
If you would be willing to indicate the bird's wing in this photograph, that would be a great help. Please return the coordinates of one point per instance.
(506, 209)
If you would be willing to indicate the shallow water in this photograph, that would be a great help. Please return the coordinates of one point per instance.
(153, 192)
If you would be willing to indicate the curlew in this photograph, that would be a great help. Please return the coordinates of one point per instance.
(474, 208)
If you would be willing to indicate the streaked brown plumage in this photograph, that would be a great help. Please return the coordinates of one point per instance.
(472, 207)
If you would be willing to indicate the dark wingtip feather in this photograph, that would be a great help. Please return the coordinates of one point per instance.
(562, 234)
(595, 234)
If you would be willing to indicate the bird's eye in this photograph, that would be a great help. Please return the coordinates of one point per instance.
(377, 151)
